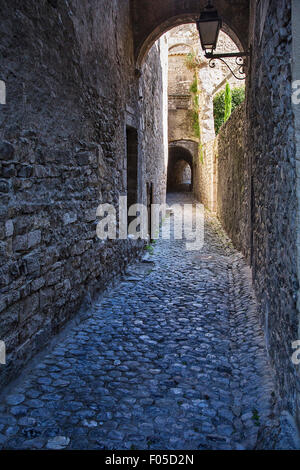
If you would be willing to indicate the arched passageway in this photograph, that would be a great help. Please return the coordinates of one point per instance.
(152, 19)
(187, 336)
(180, 170)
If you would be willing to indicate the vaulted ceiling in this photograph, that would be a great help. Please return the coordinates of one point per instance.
(152, 18)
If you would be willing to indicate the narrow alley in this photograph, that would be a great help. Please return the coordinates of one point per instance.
(168, 359)
(111, 339)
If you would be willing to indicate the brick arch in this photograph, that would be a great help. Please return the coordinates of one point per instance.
(152, 18)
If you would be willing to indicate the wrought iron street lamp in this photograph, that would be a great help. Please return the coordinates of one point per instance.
(209, 25)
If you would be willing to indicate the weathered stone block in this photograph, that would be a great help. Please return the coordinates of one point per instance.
(79, 248)
(9, 319)
(2, 231)
(69, 218)
(25, 171)
(9, 228)
(3, 302)
(46, 297)
(6, 150)
(32, 263)
(14, 269)
(37, 284)
(20, 243)
(34, 238)
(53, 277)
(30, 306)
(8, 171)
(25, 290)
(4, 277)
(2, 249)
(90, 215)
(41, 171)
(83, 158)
(4, 186)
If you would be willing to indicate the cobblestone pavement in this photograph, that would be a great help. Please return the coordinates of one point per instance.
(171, 358)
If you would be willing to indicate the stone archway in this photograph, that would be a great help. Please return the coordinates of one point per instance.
(74, 93)
(152, 19)
(180, 169)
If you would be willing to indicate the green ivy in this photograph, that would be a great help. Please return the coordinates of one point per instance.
(238, 96)
(195, 111)
(194, 86)
(191, 61)
(228, 102)
(201, 153)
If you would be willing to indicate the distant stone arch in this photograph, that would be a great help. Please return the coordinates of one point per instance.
(179, 158)
(181, 48)
(190, 145)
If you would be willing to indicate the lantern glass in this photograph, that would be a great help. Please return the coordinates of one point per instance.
(209, 25)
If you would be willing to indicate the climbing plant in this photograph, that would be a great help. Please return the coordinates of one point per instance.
(238, 96)
(228, 102)
(195, 110)
(201, 153)
(192, 61)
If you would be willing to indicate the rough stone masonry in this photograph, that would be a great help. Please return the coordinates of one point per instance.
(72, 92)
(171, 358)
(73, 96)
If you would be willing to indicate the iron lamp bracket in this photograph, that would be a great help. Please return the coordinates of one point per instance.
(241, 59)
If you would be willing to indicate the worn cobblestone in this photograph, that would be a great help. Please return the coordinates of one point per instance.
(173, 360)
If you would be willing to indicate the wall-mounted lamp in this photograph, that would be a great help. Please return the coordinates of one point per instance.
(209, 25)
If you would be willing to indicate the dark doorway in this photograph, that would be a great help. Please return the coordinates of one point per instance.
(132, 168)
(149, 204)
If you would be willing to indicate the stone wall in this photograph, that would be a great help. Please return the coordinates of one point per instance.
(233, 176)
(257, 202)
(154, 125)
(180, 119)
(296, 111)
(271, 145)
(71, 91)
(222, 178)
(205, 187)
(256, 190)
